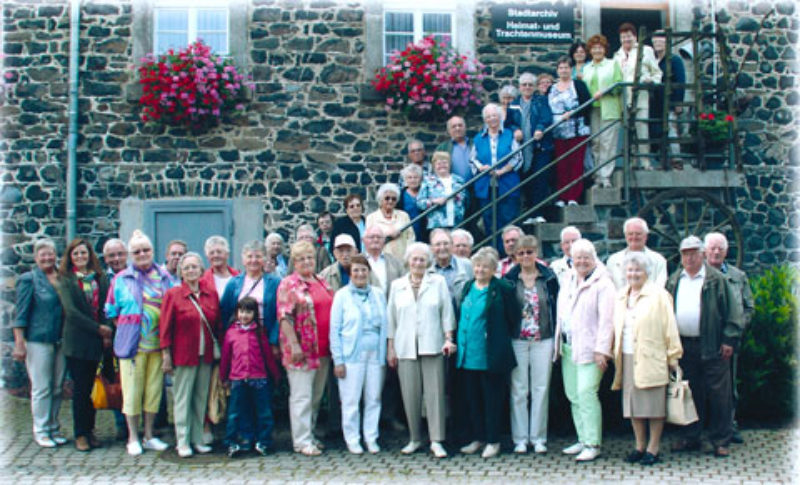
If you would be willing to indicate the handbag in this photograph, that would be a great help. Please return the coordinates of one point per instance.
(217, 398)
(106, 394)
(217, 349)
(680, 405)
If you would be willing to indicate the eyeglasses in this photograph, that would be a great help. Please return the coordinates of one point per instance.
(353, 206)
(390, 199)
(526, 252)
(417, 150)
(526, 84)
(140, 251)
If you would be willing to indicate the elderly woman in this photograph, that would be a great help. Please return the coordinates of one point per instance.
(490, 317)
(304, 312)
(219, 273)
(577, 58)
(490, 150)
(37, 338)
(412, 182)
(274, 244)
(584, 334)
(507, 95)
(420, 334)
(599, 75)
(190, 324)
(438, 185)
(358, 348)
(536, 290)
(353, 223)
(134, 301)
(565, 96)
(646, 347)
(392, 220)
(82, 288)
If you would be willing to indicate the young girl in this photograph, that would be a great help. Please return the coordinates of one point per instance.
(248, 367)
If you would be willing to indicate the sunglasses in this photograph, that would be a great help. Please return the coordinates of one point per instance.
(140, 251)
(526, 252)
(390, 199)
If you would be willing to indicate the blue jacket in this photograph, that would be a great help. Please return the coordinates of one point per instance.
(38, 308)
(230, 298)
(540, 115)
(346, 322)
(483, 155)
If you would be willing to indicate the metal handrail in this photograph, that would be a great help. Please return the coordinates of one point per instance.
(522, 146)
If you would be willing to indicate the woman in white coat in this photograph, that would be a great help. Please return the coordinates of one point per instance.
(421, 324)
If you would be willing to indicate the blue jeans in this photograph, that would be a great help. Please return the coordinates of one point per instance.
(250, 403)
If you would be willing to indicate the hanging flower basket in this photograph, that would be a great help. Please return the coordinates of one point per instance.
(192, 88)
(430, 79)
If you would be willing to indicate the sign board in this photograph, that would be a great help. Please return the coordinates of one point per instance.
(539, 22)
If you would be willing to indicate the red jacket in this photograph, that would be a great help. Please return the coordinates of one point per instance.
(208, 280)
(242, 358)
(180, 325)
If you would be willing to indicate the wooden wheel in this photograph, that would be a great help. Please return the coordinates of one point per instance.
(677, 213)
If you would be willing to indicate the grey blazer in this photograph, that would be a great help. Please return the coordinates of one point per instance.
(38, 308)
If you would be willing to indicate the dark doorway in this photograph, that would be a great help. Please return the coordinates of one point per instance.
(612, 18)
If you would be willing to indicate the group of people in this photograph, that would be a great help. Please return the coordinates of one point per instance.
(386, 331)
(553, 117)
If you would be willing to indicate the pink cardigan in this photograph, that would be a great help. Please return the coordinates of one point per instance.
(590, 304)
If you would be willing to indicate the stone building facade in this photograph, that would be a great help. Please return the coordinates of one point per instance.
(313, 130)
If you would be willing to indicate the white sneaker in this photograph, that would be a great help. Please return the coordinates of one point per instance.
(471, 448)
(184, 451)
(559, 203)
(203, 449)
(491, 450)
(411, 447)
(572, 202)
(438, 450)
(540, 448)
(59, 439)
(355, 449)
(373, 447)
(134, 448)
(589, 453)
(573, 449)
(520, 448)
(154, 444)
(45, 442)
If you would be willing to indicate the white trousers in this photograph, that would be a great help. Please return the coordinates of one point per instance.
(306, 387)
(46, 367)
(362, 379)
(604, 146)
(530, 376)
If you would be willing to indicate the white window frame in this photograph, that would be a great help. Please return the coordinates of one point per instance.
(417, 12)
(192, 11)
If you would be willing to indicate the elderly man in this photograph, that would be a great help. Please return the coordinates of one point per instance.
(456, 271)
(305, 232)
(710, 324)
(511, 235)
(562, 265)
(115, 255)
(462, 243)
(385, 267)
(716, 251)
(274, 244)
(175, 251)
(459, 148)
(649, 73)
(636, 231)
(416, 155)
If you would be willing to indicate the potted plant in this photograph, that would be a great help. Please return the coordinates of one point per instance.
(191, 88)
(715, 127)
(430, 79)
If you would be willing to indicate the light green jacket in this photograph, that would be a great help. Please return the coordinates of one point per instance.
(598, 77)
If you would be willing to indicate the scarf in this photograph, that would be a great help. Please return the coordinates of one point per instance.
(88, 284)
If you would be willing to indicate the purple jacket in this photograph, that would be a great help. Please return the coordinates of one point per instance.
(242, 358)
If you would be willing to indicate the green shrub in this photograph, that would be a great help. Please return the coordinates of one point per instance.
(768, 361)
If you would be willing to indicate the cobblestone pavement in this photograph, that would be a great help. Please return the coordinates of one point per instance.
(769, 456)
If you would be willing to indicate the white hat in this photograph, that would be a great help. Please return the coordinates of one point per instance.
(344, 240)
(691, 242)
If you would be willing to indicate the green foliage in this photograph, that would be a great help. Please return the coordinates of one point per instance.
(767, 376)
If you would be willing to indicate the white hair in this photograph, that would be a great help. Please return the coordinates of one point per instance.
(417, 247)
(113, 242)
(45, 242)
(272, 236)
(527, 76)
(512, 227)
(637, 258)
(385, 188)
(584, 246)
(190, 254)
(138, 237)
(463, 233)
(715, 235)
(411, 169)
(442, 231)
(572, 230)
(493, 106)
(216, 241)
(508, 90)
(635, 220)
(486, 255)
(303, 227)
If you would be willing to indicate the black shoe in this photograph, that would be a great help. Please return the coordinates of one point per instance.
(649, 459)
(634, 456)
(737, 438)
(234, 451)
(262, 450)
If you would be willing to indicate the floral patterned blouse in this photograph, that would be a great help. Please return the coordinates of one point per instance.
(308, 305)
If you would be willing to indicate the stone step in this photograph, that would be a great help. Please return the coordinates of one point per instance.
(577, 214)
(597, 196)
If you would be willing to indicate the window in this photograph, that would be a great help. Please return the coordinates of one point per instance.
(401, 26)
(176, 27)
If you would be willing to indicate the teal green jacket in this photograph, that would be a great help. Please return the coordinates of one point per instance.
(599, 77)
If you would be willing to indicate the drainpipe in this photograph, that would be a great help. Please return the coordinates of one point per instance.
(72, 141)
(714, 41)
